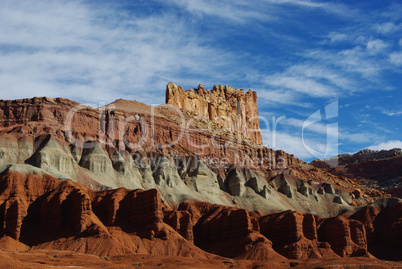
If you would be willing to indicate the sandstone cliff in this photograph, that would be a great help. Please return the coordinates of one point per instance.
(230, 108)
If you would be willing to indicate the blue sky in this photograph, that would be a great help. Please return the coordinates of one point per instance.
(299, 55)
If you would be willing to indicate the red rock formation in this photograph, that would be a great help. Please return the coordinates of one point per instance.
(228, 232)
(294, 235)
(127, 127)
(383, 224)
(44, 212)
(231, 108)
(181, 222)
(346, 237)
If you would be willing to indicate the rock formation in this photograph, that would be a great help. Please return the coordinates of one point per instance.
(128, 144)
(132, 179)
(231, 108)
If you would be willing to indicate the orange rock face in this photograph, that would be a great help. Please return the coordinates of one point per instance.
(231, 108)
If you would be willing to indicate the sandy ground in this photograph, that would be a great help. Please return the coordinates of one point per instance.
(67, 259)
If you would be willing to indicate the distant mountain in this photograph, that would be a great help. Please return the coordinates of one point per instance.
(376, 169)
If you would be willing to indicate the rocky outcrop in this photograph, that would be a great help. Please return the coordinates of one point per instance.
(294, 235)
(230, 108)
(44, 212)
(346, 237)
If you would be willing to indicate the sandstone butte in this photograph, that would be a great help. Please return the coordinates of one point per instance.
(128, 185)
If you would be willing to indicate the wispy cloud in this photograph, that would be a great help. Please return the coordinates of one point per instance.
(391, 144)
(241, 11)
(386, 27)
(396, 58)
(376, 46)
(389, 112)
(70, 49)
(301, 147)
(311, 79)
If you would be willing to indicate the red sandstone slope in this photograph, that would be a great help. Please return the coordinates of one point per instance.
(45, 213)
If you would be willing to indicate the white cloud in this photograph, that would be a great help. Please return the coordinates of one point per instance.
(277, 97)
(356, 61)
(331, 131)
(69, 49)
(313, 79)
(389, 112)
(396, 58)
(376, 46)
(234, 11)
(302, 85)
(338, 37)
(386, 28)
(391, 144)
(241, 11)
(295, 144)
